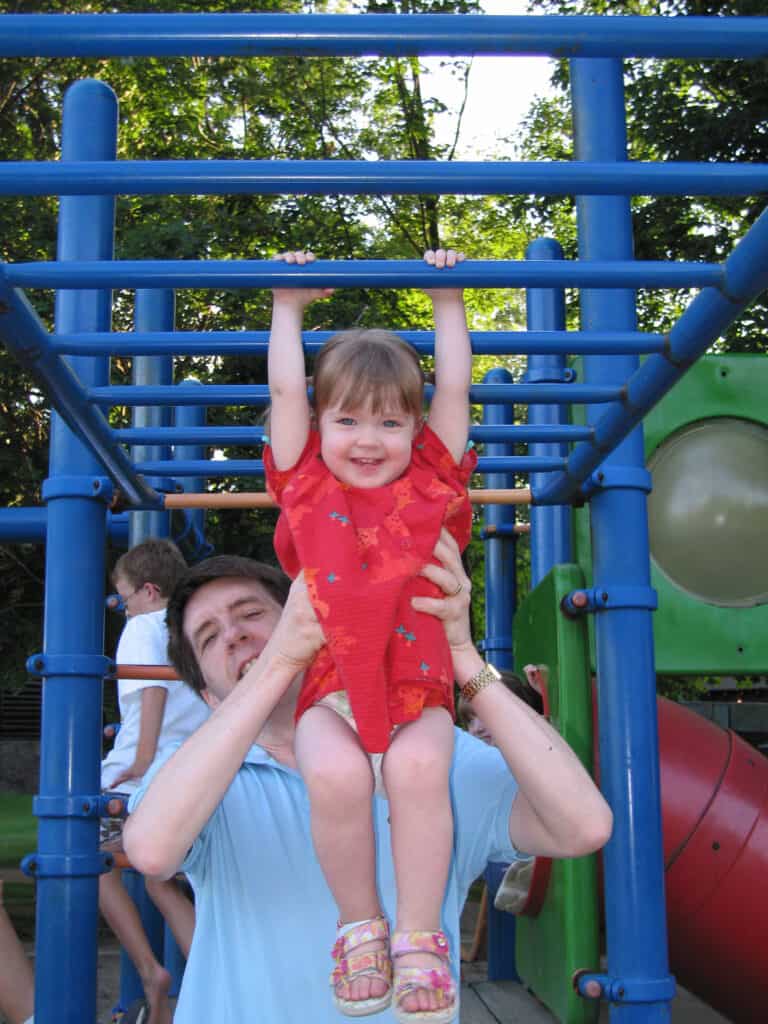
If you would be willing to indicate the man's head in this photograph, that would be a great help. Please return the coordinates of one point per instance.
(145, 575)
(219, 617)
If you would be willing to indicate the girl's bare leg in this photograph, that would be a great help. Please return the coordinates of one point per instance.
(339, 780)
(123, 918)
(416, 770)
(17, 982)
(177, 909)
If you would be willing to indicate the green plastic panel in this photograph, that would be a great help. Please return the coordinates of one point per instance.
(564, 937)
(693, 636)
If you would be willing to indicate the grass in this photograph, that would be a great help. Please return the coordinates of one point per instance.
(18, 837)
(18, 828)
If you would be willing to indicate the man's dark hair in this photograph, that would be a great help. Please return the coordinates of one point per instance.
(156, 560)
(180, 652)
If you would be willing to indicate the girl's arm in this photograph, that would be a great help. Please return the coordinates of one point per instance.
(449, 409)
(289, 415)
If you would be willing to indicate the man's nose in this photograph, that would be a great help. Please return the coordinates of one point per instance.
(234, 631)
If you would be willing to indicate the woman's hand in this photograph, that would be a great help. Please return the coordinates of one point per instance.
(298, 298)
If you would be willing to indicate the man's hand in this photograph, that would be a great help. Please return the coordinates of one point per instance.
(453, 609)
(299, 634)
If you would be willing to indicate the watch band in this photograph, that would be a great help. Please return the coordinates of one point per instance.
(487, 675)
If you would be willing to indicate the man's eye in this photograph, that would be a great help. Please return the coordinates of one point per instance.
(254, 613)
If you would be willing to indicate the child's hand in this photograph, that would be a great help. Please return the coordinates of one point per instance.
(298, 298)
(440, 259)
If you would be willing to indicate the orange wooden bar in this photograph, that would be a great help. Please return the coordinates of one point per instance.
(164, 672)
(259, 499)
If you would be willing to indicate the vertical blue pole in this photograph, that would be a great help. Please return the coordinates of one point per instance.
(155, 311)
(629, 754)
(193, 416)
(550, 524)
(500, 601)
(67, 891)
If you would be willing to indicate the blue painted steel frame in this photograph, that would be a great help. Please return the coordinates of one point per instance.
(76, 518)
(500, 602)
(67, 924)
(550, 525)
(249, 35)
(629, 753)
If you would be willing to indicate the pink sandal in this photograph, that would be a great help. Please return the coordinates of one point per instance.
(435, 979)
(350, 966)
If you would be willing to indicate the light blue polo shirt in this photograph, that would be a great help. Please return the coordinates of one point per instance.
(265, 919)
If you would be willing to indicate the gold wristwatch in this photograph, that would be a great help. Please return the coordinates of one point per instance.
(487, 675)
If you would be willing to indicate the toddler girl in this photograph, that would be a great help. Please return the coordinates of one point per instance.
(365, 485)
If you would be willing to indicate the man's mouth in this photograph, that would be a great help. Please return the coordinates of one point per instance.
(246, 666)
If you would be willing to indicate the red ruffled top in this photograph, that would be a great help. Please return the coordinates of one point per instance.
(361, 551)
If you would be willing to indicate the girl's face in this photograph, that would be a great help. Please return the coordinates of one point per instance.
(366, 449)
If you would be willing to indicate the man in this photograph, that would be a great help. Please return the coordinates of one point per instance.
(230, 810)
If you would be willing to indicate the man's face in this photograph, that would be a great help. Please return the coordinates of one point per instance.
(228, 622)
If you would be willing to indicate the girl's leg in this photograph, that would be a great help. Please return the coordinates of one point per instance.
(339, 780)
(416, 771)
(177, 909)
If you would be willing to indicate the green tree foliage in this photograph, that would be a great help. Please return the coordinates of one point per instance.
(228, 108)
(677, 110)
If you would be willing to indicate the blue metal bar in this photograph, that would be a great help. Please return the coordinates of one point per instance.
(202, 437)
(67, 916)
(190, 421)
(500, 544)
(550, 525)
(391, 177)
(629, 753)
(251, 35)
(26, 338)
(154, 310)
(29, 526)
(258, 394)
(215, 468)
(363, 274)
(255, 342)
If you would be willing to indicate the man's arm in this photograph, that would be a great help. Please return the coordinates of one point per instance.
(449, 408)
(289, 414)
(558, 811)
(153, 699)
(190, 785)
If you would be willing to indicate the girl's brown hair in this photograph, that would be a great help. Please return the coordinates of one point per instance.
(370, 365)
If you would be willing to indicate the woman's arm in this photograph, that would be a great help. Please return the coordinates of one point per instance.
(289, 415)
(449, 408)
(190, 785)
(559, 811)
